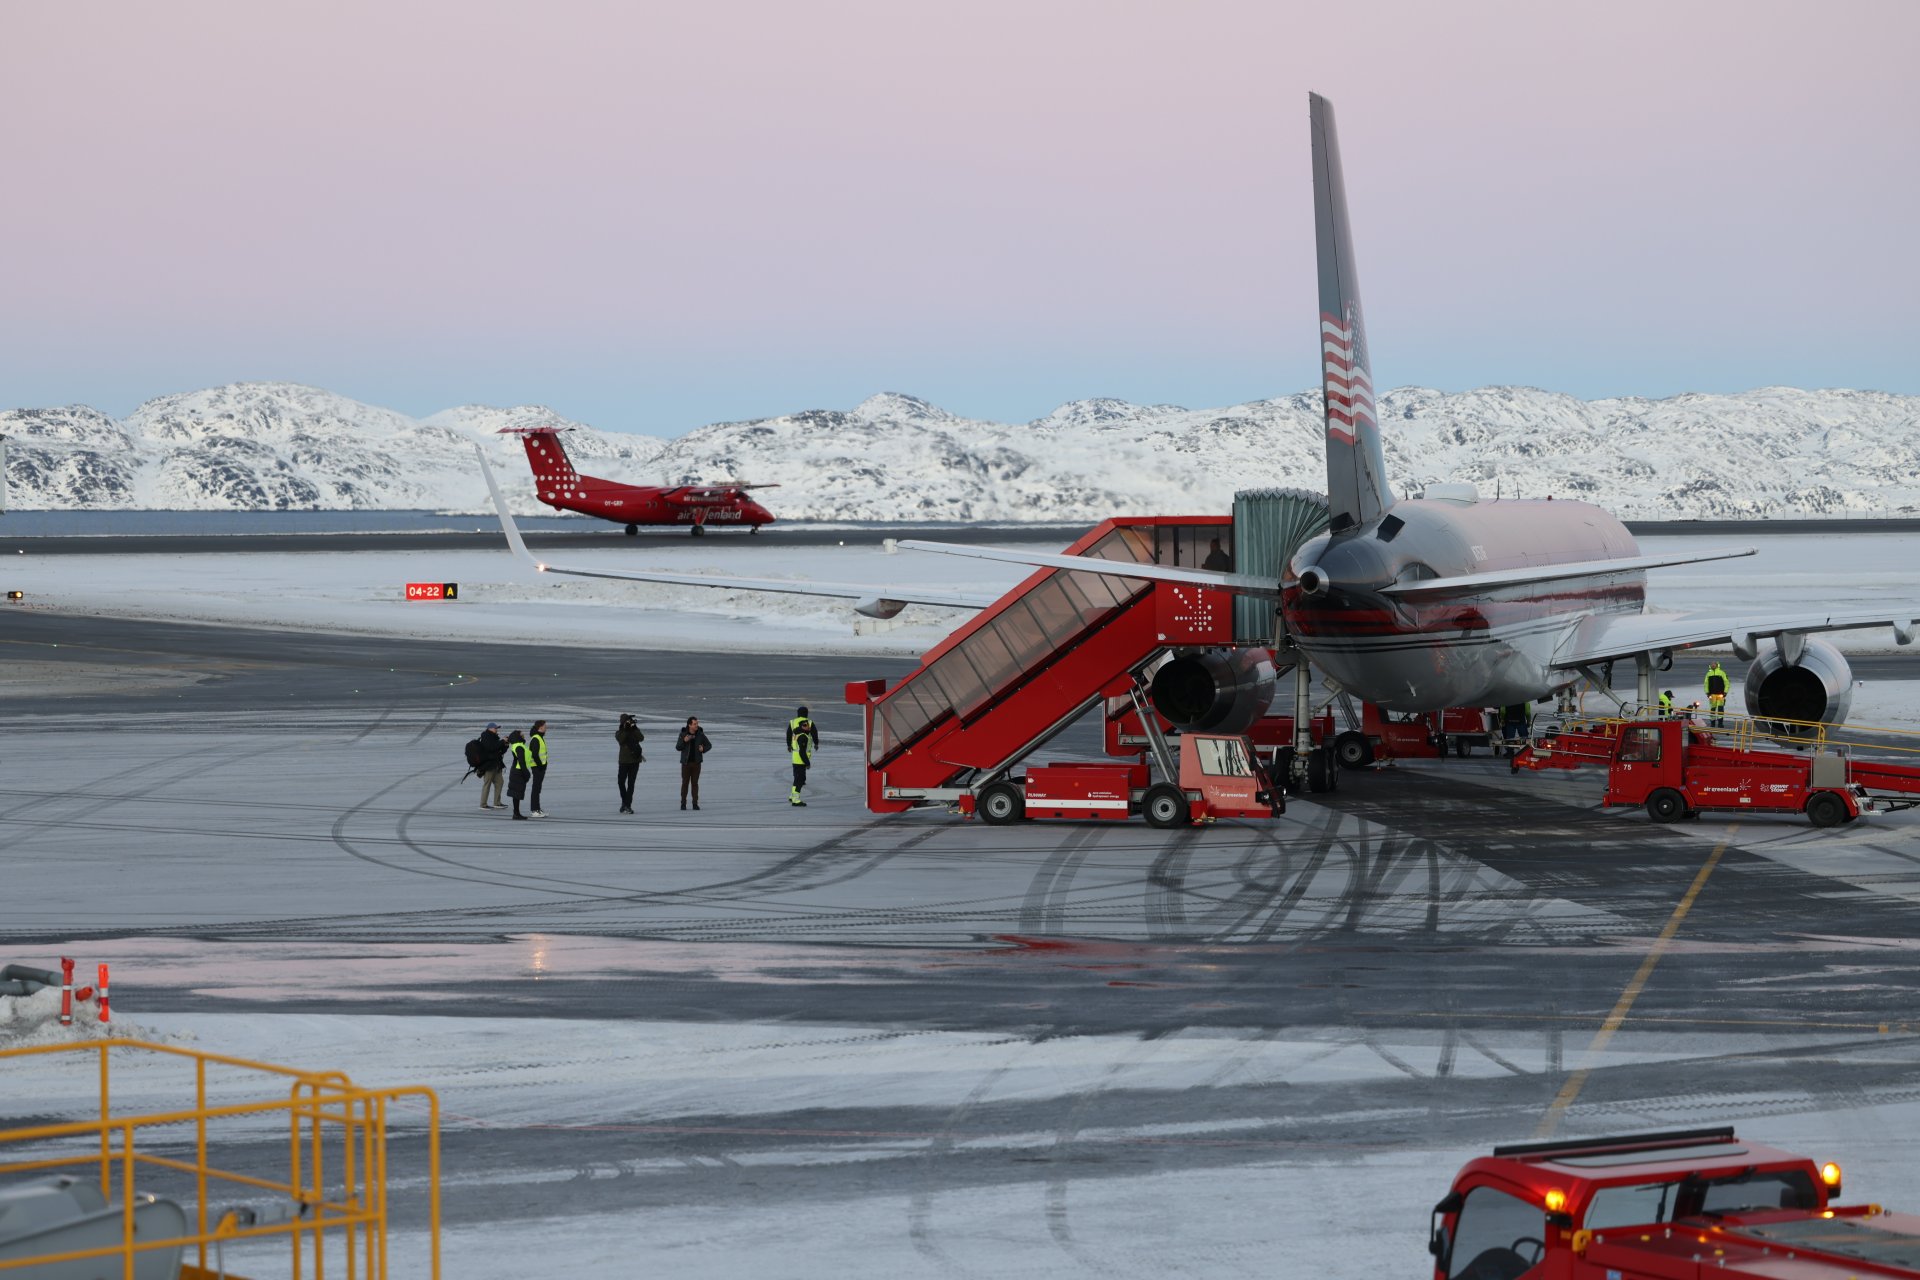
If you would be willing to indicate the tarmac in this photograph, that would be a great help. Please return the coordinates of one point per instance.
(1436, 957)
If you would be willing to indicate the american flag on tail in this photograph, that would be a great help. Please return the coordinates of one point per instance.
(1348, 386)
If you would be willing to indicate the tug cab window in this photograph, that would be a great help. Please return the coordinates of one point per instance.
(1640, 746)
(1497, 1237)
(1223, 758)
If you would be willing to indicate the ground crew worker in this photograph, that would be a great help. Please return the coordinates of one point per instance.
(493, 762)
(522, 770)
(802, 738)
(1515, 721)
(1666, 705)
(1716, 685)
(537, 755)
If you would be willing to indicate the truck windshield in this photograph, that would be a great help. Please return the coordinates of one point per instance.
(1224, 757)
(1657, 1202)
(1497, 1237)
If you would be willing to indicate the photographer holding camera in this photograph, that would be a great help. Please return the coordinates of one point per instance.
(629, 736)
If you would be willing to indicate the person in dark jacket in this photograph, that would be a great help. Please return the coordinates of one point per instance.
(522, 769)
(629, 736)
(493, 761)
(692, 745)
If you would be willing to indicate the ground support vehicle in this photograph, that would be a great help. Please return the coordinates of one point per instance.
(1693, 1204)
(1425, 735)
(1678, 769)
(1219, 776)
(153, 1195)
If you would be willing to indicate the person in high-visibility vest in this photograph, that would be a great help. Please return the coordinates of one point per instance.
(1717, 685)
(537, 756)
(1666, 704)
(802, 738)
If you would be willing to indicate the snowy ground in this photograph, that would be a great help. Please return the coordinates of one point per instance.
(762, 1041)
(361, 593)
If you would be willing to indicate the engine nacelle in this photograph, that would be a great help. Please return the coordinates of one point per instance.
(1218, 691)
(878, 607)
(1818, 687)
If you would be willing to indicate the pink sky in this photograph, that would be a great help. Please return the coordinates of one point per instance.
(652, 216)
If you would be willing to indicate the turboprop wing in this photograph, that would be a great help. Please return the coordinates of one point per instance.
(872, 601)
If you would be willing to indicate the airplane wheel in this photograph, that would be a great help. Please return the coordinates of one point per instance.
(1825, 809)
(1322, 775)
(1353, 750)
(1166, 805)
(633, 531)
(1282, 770)
(698, 531)
(1668, 805)
(1000, 804)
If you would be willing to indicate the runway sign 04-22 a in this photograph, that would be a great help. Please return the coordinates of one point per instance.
(433, 591)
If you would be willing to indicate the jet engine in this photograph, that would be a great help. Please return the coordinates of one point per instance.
(1818, 687)
(1217, 690)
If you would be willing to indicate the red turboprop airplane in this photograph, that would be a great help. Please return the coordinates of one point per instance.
(695, 505)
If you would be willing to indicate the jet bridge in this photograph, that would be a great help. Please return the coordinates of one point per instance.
(1005, 683)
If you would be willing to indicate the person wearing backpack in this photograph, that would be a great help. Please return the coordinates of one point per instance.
(629, 736)
(487, 756)
(521, 771)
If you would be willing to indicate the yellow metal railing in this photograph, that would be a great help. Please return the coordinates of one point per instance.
(1742, 732)
(336, 1176)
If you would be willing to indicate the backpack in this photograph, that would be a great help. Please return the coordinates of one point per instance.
(476, 755)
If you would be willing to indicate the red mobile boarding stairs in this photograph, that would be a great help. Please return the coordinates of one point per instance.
(1001, 686)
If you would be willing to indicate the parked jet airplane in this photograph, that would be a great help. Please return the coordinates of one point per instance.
(1444, 601)
(1449, 601)
(694, 505)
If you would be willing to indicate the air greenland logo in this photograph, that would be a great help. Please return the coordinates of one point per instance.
(1349, 388)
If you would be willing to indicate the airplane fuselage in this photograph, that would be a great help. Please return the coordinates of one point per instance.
(1475, 647)
(652, 505)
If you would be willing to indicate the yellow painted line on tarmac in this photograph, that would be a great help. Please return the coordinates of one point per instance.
(1624, 1005)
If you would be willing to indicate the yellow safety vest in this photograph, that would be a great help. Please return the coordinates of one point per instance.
(537, 748)
(521, 757)
(799, 729)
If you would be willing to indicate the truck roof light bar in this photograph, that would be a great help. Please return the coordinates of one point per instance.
(1621, 1141)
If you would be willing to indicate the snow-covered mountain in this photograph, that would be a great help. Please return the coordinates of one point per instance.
(278, 446)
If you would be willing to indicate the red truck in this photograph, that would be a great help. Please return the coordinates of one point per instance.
(1677, 770)
(1220, 776)
(1694, 1204)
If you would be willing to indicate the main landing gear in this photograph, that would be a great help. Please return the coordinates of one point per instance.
(633, 531)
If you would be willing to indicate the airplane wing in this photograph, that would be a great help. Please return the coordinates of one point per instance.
(1603, 637)
(1555, 572)
(1245, 584)
(873, 601)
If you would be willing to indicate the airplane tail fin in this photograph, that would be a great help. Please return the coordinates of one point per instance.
(553, 471)
(1356, 470)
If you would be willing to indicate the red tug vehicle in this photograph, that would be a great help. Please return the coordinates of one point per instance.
(1678, 769)
(1682, 1205)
